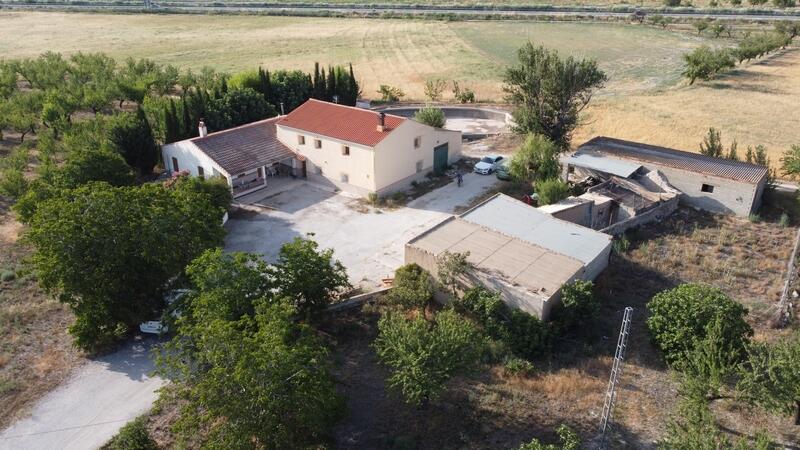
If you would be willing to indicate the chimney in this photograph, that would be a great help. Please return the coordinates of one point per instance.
(202, 128)
(381, 122)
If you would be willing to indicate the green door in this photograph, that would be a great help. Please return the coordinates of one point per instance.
(440, 159)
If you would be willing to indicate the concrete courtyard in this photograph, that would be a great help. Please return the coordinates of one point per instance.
(370, 244)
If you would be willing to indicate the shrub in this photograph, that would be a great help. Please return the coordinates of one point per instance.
(517, 367)
(784, 220)
(434, 89)
(390, 93)
(7, 275)
(568, 440)
(526, 335)
(579, 306)
(133, 436)
(552, 190)
(412, 288)
(13, 183)
(431, 116)
(536, 159)
(680, 317)
(621, 245)
(424, 355)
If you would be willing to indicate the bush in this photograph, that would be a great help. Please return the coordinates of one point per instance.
(579, 307)
(568, 440)
(536, 159)
(680, 317)
(390, 93)
(13, 183)
(431, 116)
(552, 190)
(412, 288)
(424, 355)
(133, 436)
(517, 367)
(7, 275)
(525, 335)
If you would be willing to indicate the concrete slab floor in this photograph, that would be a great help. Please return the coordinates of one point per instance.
(370, 245)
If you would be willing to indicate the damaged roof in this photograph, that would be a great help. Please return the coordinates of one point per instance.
(694, 162)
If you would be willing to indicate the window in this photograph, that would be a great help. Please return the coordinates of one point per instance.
(344, 178)
(571, 169)
(317, 143)
(201, 173)
(419, 166)
(301, 140)
(175, 164)
(707, 188)
(417, 141)
(346, 150)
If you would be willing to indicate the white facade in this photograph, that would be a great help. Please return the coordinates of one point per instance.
(190, 158)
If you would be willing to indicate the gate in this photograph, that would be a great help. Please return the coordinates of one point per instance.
(440, 158)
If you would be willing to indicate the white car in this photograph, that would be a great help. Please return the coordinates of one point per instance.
(487, 164)
(155, 326)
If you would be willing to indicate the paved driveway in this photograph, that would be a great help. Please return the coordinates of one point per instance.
(370, 244)
(86, 411)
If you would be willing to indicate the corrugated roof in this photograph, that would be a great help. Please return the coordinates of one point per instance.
(519, 220)
(244, 148)
(695, 162)
(616, 167)
(518, 262)
(345, 123)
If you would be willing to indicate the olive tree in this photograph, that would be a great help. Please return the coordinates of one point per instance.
(423, 355)
(681, 316)
(549, 92)
(250, 375)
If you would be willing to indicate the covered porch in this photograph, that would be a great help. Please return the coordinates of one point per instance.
(260, 177)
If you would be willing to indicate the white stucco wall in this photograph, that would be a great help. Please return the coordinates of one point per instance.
(396, 158)
(190, 157)
(359, 165)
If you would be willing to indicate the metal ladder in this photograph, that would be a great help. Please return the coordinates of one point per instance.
(616, 371)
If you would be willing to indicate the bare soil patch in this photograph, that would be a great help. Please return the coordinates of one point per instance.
(36, 354)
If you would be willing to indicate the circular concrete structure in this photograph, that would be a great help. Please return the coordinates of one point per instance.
(474, 122)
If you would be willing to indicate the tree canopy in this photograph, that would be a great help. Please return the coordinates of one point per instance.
(549, 92)
(536, 159)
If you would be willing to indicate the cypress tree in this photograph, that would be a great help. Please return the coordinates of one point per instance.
(269, 96)
(318, 83)
(187, 124)
(331, 88)
(171, 126)
(352, 88)
(224, 86)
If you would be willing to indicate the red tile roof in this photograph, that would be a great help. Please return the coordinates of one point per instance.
(246, 147)
(341, 122)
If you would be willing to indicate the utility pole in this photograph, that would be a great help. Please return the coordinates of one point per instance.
(616, 371)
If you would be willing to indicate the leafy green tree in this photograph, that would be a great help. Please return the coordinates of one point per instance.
(789, 28)
(771, 377)
(702, 25)
(13, 183)
(451, 268)
(47, 71)
(551, 190)
(790, 163)
(680, 317)
(21, 112)
(8, 79)
(412, 287)
(238, 107)
(704, 63)
(579, 306)
(290, 88)
(568, 440)
(693, 428)
(434, 88)
(431, 116)
(130, 135)
(784, 3)
(549, 92)
(308, 276)
(390, 93)
(246, 79)
(109, 252)
(250, 375)
(537, 158)
(718, 28)
(712, 144)
(711, 364)
(424, 355)
(92, 80)
(133, 436)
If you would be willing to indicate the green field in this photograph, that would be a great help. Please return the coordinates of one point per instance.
(403, 53)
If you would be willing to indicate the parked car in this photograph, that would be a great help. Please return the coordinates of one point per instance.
(155, 326)
(502, 172)
(487, 164)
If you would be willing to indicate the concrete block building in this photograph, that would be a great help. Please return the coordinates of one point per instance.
(517, 250)
(714, 184)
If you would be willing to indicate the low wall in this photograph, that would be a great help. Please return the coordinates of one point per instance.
(661, 211)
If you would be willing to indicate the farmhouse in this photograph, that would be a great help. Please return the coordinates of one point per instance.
(351, 149)
(517, 250)
(714, 184)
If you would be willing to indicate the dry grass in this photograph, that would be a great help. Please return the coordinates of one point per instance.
(756, 104)
(35, 351)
